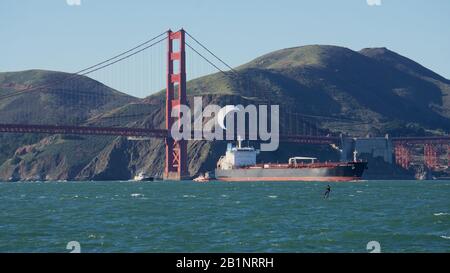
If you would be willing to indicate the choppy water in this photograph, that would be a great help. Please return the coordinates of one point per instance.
(403, 216)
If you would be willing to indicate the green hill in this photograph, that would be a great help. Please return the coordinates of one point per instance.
(319, 88)
(68, 100)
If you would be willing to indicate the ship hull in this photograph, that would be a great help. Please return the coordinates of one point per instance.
(351, 171)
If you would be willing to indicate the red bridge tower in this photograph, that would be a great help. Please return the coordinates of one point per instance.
(176, 151)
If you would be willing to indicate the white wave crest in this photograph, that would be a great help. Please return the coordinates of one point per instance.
(189, 196)
(441, 213)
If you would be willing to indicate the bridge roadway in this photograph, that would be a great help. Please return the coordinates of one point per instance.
(162, 133)
(135, 132)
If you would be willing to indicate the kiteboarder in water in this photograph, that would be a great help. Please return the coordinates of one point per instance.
(327, 192)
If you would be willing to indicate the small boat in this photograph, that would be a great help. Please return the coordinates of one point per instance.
(203, 178)
(143, 177)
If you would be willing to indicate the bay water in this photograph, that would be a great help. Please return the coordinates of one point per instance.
(399, 216)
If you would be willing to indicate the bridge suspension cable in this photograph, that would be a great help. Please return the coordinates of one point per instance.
(210, 52)
(98, 66)
(206, 59)
(123, 58)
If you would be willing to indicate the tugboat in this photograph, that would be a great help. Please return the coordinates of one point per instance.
(142, 177)
(203, 178)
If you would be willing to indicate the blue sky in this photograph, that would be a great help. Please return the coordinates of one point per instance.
(51, 34)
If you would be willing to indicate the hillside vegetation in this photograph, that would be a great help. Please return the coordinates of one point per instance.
(324, 88)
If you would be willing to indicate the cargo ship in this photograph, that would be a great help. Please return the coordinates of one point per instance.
(239, 165)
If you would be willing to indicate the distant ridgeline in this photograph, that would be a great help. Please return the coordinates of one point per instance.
(323, 88)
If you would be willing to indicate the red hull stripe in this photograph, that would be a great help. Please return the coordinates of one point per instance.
(302, 179)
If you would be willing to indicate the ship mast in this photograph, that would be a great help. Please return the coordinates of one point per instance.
(355, 154)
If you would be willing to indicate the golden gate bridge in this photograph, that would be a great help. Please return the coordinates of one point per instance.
(174, 60)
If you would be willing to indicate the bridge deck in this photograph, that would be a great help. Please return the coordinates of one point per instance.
(82, 130)
(162, 133)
